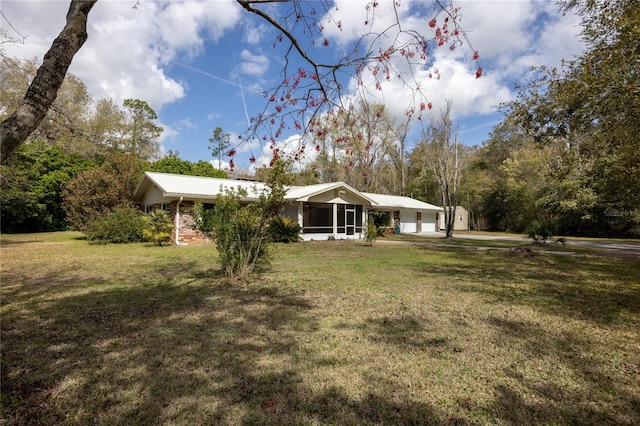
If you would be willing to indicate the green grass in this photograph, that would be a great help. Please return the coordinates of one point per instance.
(333, 333)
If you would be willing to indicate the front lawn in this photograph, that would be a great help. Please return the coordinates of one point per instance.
(334, 333)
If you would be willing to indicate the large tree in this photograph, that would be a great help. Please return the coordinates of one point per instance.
(219, 144)
(44, 88)
(32, 182)
(140, 133)
(354, 146)
(103, 189)
(446, 158)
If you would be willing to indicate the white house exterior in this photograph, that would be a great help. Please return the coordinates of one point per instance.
(324, 211)
(409, 214)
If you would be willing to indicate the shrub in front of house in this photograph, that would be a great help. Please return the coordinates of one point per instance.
(158, 227)
(284, 230)
(371, 231)
(124, 225)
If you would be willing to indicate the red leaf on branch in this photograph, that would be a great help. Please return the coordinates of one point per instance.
(479, 73)
(476, 56)
(432, 23)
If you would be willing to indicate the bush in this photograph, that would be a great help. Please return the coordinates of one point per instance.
(381, 220)
(540, 231)
(240, 229)
(123, 225)
(371, 231)
(158, 227)
(284, 230)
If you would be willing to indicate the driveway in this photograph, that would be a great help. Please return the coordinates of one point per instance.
(630, 248)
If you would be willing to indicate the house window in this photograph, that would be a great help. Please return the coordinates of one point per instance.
(148, 209)
(318, 218)
(166, 207)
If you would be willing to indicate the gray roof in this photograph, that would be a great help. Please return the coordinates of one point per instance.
(197, 187)
(400, 202)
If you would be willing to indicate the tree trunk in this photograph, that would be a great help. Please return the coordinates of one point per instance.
(43, 90)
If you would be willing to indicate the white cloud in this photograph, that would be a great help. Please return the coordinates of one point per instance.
(255, 65)
(253, 34)
(213, 115)
(127, 49)
(510, 37)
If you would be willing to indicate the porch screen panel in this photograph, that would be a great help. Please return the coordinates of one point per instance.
(341, 215)
(318, 218)
(358, 218)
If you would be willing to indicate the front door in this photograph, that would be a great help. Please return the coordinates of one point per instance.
(351, 220)
(419, 222)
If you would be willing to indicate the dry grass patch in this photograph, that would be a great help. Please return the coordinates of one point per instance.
(333, 333)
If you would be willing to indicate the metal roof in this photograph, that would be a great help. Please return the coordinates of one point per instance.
(173, 185)
(198, 187)
(400, 202)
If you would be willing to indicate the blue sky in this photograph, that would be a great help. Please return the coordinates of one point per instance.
(204, 64)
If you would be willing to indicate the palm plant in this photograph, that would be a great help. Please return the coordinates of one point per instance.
(158, 227)
(284, 230)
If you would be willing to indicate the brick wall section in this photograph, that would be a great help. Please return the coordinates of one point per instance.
(187, 234)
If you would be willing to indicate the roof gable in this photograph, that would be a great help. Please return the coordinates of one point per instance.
(336, 191)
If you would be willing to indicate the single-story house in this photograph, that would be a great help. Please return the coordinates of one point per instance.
(326, 210)
(461, 221)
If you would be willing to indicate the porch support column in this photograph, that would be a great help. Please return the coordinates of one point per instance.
(335, 220)
(301, 215)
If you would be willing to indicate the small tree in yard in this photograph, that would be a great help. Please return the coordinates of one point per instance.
(371, 232)
(240, 230)
(158, 227)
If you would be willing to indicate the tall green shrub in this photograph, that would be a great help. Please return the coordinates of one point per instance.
(371, 231)
(123, 225)
(240, 230)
